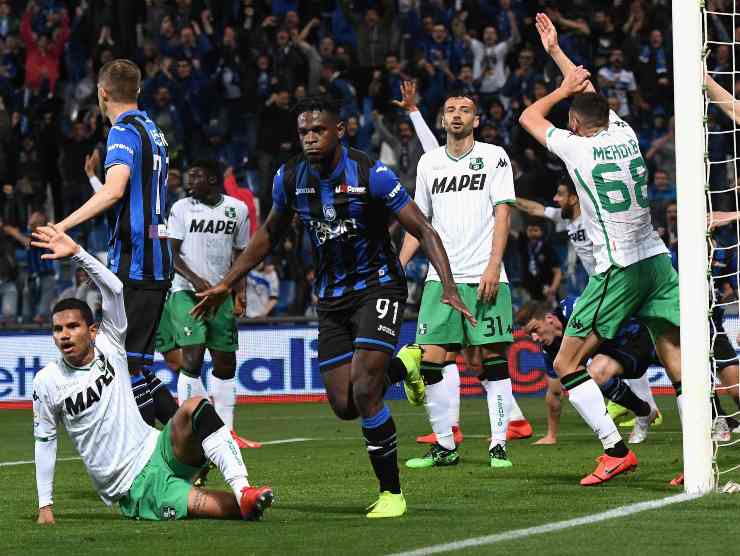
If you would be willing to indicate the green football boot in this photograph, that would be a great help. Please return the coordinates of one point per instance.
(498, 457)
(437, 456)
(413, 384)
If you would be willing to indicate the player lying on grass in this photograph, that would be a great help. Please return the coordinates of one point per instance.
(627, 356)
(568, 215)
(633, 275)
(518, 427)
(345, 202)
(88, 390)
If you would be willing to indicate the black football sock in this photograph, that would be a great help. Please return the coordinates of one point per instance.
(205, 420)
(617, 391)
(396, 371)
(143, 398)
(164, 404)
(618, 451)
(380, 438)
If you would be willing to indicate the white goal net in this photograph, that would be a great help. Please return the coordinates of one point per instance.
(721, 62)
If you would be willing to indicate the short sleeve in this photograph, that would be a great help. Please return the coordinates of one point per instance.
(279, 198)
(175, 223)
(502, 184)
(631, 82)
(241, 237)
(122, 144)
(422, 196)
(44, 419)
(564, 144)
(385, 185)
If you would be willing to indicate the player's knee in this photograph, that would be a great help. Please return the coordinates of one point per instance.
(601, 369)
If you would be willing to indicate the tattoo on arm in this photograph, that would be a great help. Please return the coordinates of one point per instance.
(199, 500)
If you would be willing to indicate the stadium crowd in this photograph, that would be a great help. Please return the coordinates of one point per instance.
(220, 78)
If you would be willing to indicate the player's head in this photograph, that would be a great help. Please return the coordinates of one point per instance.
(537, 319)
(320, 128)
(589, 113)
(203, 179)
(566, 197)
(73, 328)
(460, 114)
(535, 229)
(119, 82)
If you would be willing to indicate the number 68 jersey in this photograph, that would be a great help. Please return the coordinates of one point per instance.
(611, 179)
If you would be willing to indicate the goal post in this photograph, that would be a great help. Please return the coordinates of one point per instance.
(688, 75)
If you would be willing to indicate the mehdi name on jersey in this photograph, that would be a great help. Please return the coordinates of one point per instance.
(474, 182)
(205, 226)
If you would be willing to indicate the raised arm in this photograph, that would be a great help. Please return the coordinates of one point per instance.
(549, 38)
(61, 246)
(532, 208)
(724, 100)
(408, 102)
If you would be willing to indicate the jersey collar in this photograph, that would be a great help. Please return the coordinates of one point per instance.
(136, 112)
(458, 159)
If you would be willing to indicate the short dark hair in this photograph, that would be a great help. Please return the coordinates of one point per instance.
(318, 103)
(592, 109)
(568, 183)
(211, 167)
(461, 93)
(532, 310)
(121, 79)
(74, 304)
(536, 221)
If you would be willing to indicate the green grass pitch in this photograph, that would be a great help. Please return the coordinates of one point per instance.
(323, 485)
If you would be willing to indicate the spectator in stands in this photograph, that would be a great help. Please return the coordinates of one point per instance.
(540, 265)
(334, 83)
(30, 171)
(289, 63)
(44, 49)
(405, 148)
(490, 62)
(40, 285)
(165, 114)
(263, 288)
(662, 152)
(9, 24)
(520, 84)
(75, 148)
(654, 70)
(277, 141)
(175, 191)
(8, 274)
(661, 192)
(669, 230)
(616, 80)
(83, 288)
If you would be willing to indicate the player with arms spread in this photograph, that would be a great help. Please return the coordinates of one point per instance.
(88, 390)
(634, 276)
(345, 202)
(465, 189)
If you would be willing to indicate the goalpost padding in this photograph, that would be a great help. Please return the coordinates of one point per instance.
(691, 181)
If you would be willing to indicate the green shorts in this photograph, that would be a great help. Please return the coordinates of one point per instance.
(218, 332)
(647, 290)
(441, 325)
(165, 339)
(160, 492)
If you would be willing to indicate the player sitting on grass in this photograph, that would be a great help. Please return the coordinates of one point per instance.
(627, 356)
(634, 276)
(88, 390)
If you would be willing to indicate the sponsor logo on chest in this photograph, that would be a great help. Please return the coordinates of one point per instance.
(86, 398)
(212, 226)
(466, 182)
(345, 188)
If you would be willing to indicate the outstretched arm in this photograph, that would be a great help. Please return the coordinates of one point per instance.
(265, 238)
(532, 208)
(414, 222)
(724, 100)
(549, 38)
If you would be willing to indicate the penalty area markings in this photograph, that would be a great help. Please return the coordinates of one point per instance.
(515, 534)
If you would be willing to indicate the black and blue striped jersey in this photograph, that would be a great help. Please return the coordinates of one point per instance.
(138, 250)
(346, 215)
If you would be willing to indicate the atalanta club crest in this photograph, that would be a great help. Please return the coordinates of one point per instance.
(329, 212)
(476, 163)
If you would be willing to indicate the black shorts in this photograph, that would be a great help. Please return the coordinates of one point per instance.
(369, 319)
(143, 311)
(632, 348)
(723, 353)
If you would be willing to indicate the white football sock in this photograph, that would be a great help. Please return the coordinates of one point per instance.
(500, 399)
(680, 402)
(437, 404)
(189, 387)
(451, 379)
(516, 412)
(641, 388)
(221, 449)
(589, 402)
(223, 392)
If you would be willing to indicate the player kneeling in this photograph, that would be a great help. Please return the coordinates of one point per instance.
(88, 389)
